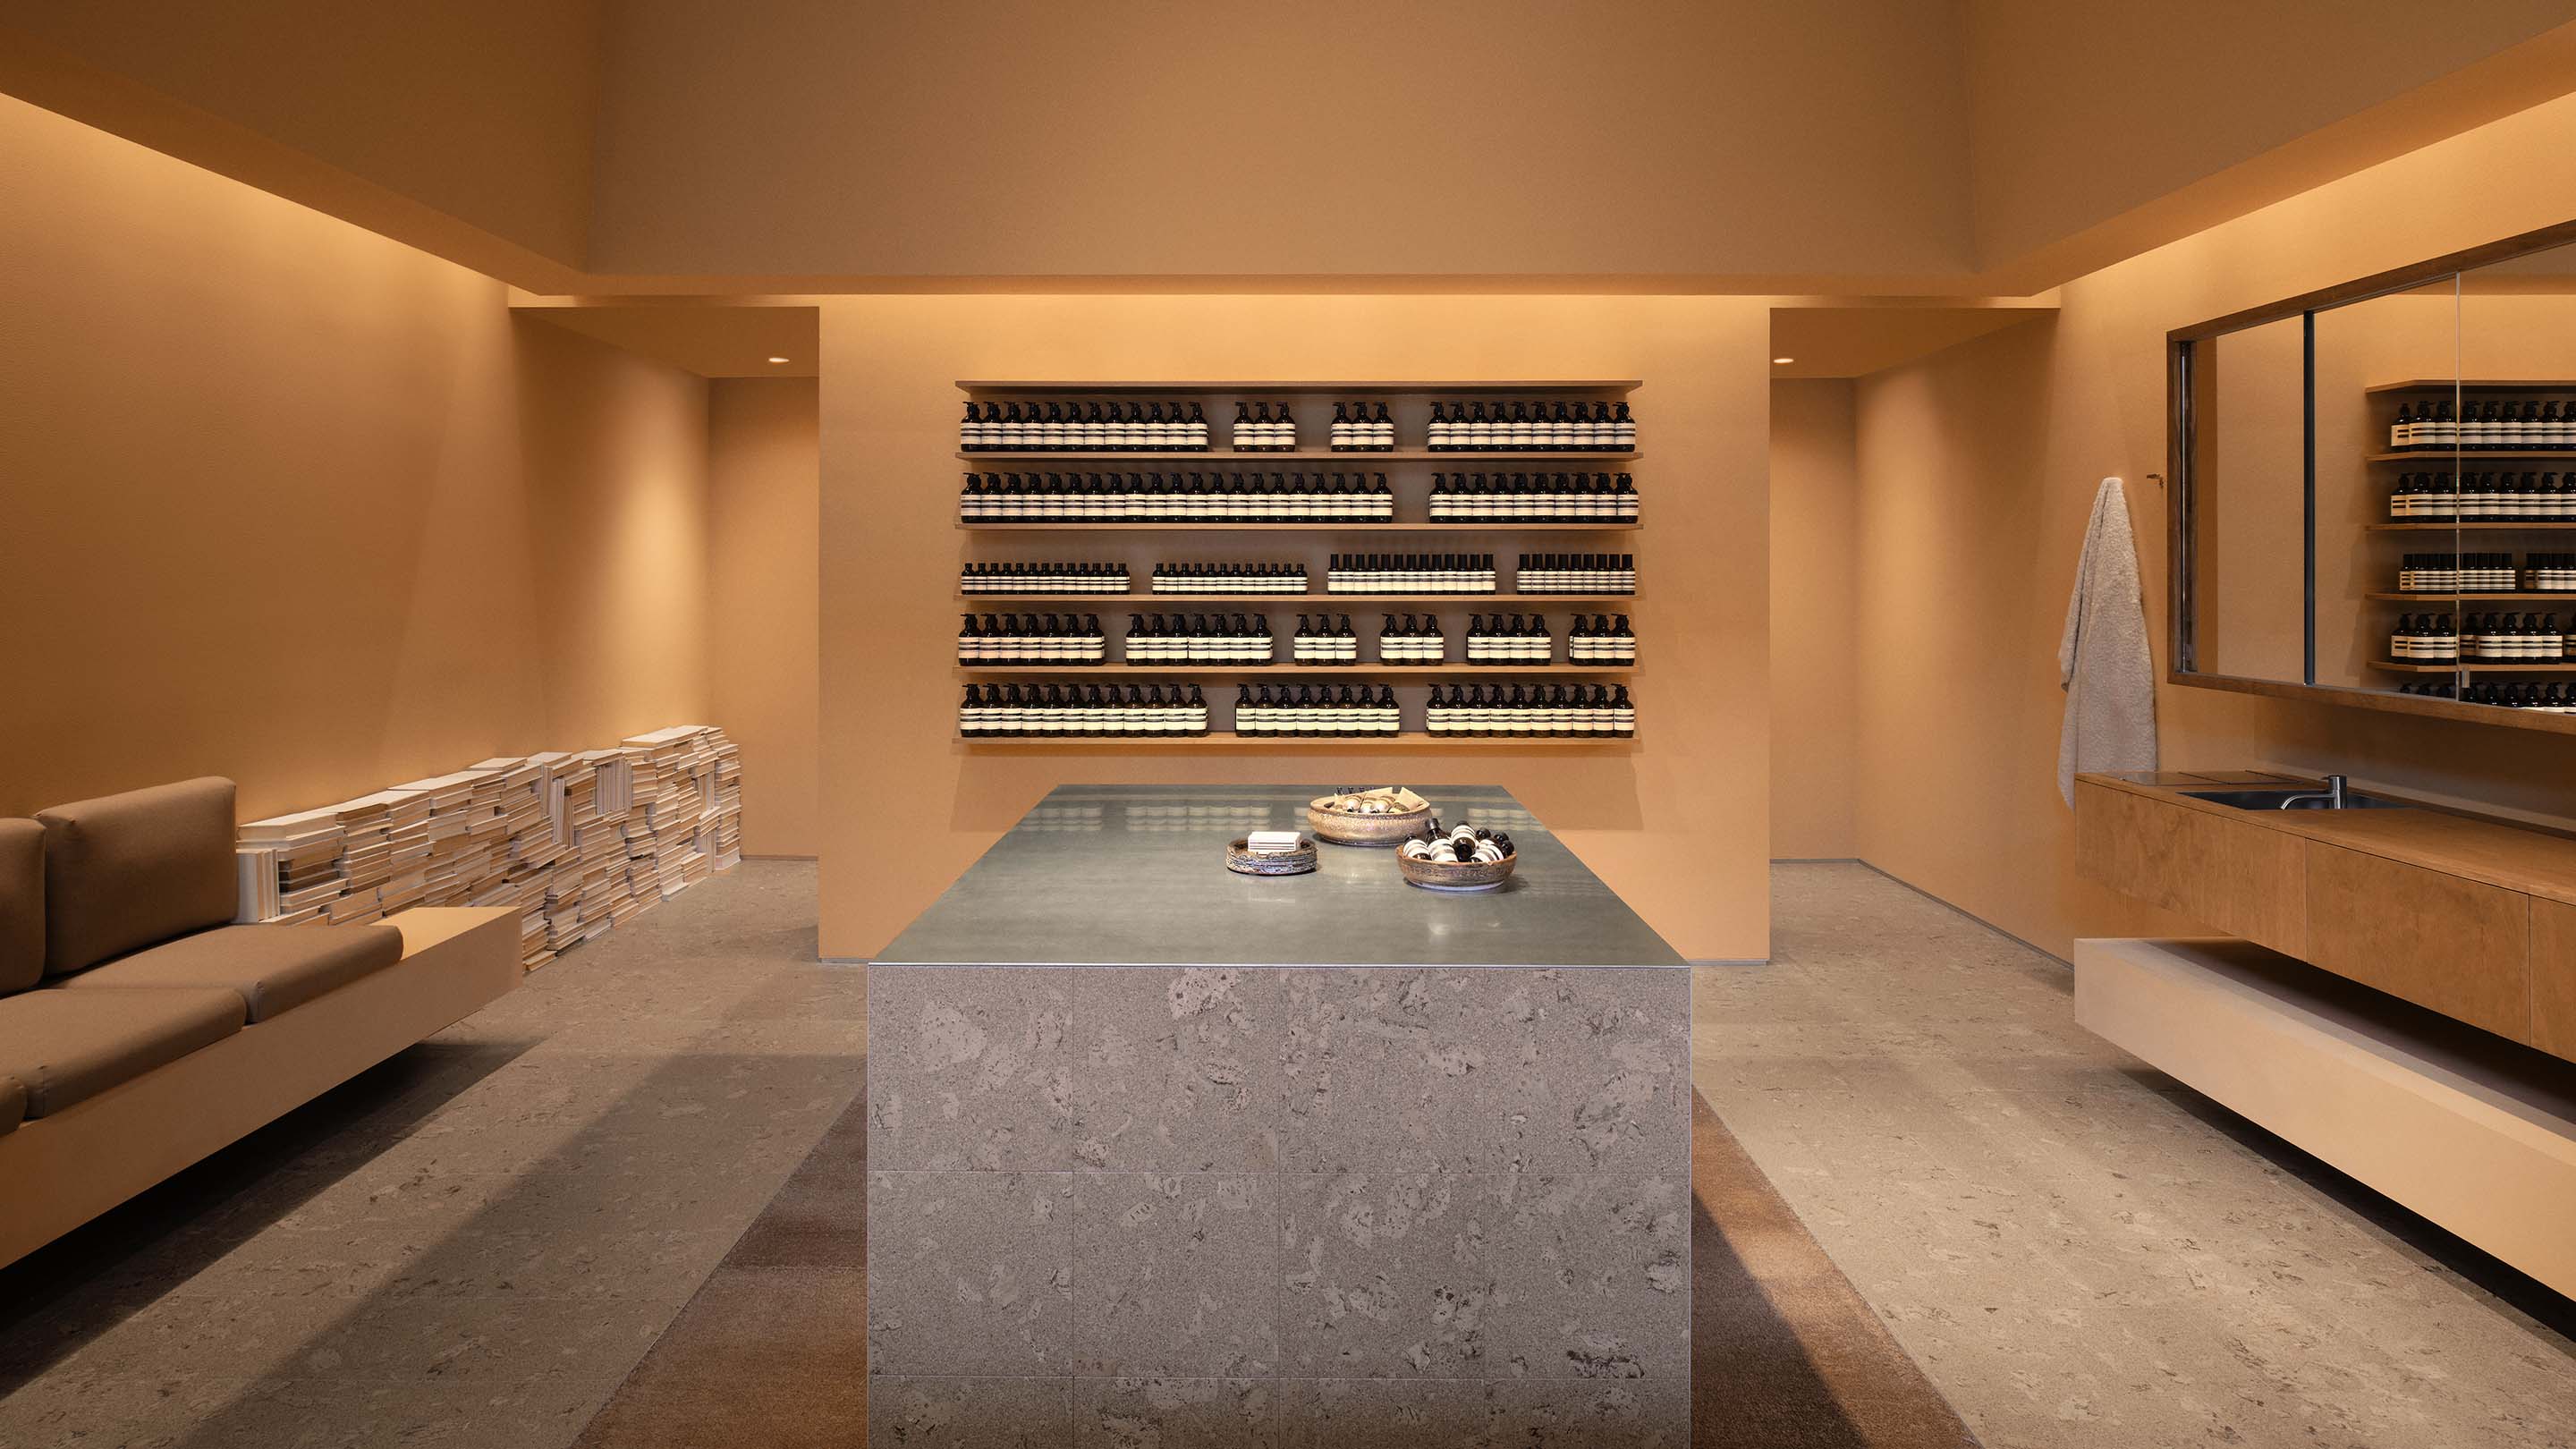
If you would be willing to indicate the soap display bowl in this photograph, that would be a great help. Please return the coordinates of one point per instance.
(1242, 859)
(1380, 817)
(1445, 875)
(1429, 858)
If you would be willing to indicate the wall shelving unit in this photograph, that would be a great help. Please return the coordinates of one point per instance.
(1408, 469)
(2498, 535)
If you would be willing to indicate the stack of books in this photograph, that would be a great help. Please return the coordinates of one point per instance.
(575, 842)
(290, 867)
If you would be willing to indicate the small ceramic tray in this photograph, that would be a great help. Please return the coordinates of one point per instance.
(1243, 860)
(1450, 875)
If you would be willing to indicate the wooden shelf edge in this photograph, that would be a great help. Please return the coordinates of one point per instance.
(1232, 602)
(1315, 455)
(2397, 667)
(1413, 740)
(1251, 526)
(1561, 384)
(2523, 526)
(2470, 455)
(1505, 673)
(2473, 384)
(2567, 597)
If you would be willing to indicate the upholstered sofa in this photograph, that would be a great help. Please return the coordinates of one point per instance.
(140, 1029)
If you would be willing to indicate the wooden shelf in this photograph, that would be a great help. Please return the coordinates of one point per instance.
(2526, 526)
(1506, 673)
(2471, 455)
(1320, 455)
(2409, 667)
(1186, 389)
(1410, 740)
(1235, 603)
(2565, 596)
(1228, 525)
(2480, 384)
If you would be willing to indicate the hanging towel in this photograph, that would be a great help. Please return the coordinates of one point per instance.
(2103, 663)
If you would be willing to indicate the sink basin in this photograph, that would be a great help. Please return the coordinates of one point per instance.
(2271, 800)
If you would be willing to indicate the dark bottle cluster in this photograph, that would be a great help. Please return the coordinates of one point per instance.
(1492, 639)
(2455, 573)
(1324, 640)
(989, 639)
(1257, 429)
(1533, 498)
(1356, 429)
(1011, 711)
(1602, 640)
(1198, 639)
(1413, 641)
(1524, 426)
(1557, 711)
(1576, 573)
(1267, 580)
(1042, 578)
(1314, 711)
(1176, 497)
(1410, 573)
(2483, 424)
(1093, 426)
(2554, 697)
(2425, 639)
(2483, 498)
(2511, 639)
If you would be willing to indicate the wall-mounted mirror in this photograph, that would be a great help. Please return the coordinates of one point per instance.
(2372, 496)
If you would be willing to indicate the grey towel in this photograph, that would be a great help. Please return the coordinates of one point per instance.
(2103, 663)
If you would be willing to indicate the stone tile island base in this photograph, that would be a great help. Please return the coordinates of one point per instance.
(1311, 1206)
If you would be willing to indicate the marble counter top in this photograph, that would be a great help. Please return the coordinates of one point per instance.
(1134, 875)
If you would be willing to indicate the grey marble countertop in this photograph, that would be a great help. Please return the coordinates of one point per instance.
(1134, 875)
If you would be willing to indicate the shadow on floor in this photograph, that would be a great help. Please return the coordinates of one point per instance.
(2479, 1270)
(84, 1283)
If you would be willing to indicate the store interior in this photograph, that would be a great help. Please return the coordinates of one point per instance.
(567, 560)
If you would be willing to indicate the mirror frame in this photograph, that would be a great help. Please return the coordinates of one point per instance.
(2186, 387)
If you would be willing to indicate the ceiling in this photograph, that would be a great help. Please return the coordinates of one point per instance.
(710, 336)
(1940, 147)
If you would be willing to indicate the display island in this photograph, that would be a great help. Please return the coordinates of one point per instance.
(1321, 1158)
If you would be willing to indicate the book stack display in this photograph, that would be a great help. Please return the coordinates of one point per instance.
(575, 842)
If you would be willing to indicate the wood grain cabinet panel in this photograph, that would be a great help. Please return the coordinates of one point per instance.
(2445, 943)
(2553, 977)
(2245, 880)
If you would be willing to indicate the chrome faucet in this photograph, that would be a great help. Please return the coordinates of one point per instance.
(2332, 794)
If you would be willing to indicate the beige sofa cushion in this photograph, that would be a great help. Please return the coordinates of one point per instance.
(127, 871)
(13, 1104)
(69, 1046)
(274, 968)
(22, 905)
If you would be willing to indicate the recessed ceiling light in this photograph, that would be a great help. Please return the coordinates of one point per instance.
(1775, 362)
(782, 359)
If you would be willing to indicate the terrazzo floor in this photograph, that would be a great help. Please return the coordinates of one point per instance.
(474, 1243)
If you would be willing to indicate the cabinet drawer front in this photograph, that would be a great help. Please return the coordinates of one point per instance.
(2553, 977)
(2242, 879)
(2450, 945)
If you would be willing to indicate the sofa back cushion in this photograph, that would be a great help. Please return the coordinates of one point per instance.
(127, 871)
(22, 905)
